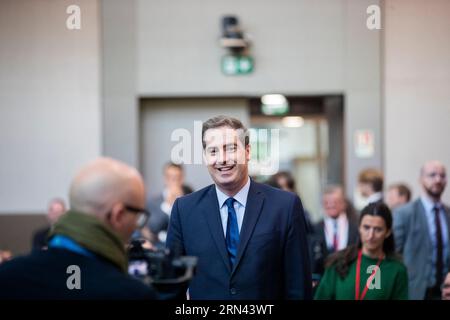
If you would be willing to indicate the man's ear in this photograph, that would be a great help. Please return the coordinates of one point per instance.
(248, 153)
(116, 215)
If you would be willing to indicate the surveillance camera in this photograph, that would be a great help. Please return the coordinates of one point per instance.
(232, 35)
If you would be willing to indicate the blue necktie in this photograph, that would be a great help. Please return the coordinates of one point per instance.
(232, 238)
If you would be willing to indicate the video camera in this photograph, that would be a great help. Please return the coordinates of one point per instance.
(166, 271)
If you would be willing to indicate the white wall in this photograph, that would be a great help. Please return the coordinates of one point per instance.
(417, 88)
(49, 76)
(299, 46)
(49, 100)
(120, 110)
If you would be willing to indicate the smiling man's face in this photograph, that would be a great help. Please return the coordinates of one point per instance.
(227, 158)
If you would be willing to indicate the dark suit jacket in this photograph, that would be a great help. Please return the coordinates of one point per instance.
(319, 248)
(40, 238)
(43, 275)
(159, 220)
(272, 260)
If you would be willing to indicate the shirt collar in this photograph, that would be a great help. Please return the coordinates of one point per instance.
(428, 204)
(341, 217)
(240, 197)
(375, 197)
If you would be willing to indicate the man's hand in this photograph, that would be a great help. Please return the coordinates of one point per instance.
(5, 255)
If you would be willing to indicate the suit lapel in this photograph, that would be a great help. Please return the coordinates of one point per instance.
(447, 218)
(255, 200)
(211, 212)
(422, 224)
(323, 238)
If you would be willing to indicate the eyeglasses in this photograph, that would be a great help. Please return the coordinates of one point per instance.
(143, 215)
(433, 175)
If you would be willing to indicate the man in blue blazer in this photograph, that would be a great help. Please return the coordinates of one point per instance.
(250, 239)
(422, 235)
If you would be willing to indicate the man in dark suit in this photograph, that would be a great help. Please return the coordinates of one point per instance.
(161, 206)
(56, 208)
(86, 257)
(250, 239)
(335, 232)
(422, 234)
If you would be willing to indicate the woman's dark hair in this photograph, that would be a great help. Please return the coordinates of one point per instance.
(343, 259)
(273, 180)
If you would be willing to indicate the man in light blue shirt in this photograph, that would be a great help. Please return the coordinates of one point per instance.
(430, 206)
(250, 239)
(421, 231)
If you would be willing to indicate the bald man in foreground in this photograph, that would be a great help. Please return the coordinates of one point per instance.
(86, 257)
(421, 231)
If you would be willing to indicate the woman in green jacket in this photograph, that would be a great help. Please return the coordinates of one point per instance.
(370, 270)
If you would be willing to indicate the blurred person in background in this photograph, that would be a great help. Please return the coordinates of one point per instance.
(370, 185)
(421, 230)
(285, 181)
(56, 208)
(335, 232)
(397, 195)
(161, 206)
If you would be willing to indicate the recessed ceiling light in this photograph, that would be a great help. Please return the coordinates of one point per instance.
(292, 122)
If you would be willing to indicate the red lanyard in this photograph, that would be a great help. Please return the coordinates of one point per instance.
(358, 277)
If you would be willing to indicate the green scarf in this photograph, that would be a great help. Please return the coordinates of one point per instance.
(92, 234)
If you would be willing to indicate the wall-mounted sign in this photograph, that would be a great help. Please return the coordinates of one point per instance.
(364, 143)
(237, 65)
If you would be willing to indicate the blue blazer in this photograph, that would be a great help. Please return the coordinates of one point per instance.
(272, 260)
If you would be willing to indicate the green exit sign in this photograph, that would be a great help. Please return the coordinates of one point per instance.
(236, 65)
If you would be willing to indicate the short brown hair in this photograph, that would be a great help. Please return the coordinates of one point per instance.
(332, 188)
(224, 121)
(373, 177)
(173, 165)
(403, 190)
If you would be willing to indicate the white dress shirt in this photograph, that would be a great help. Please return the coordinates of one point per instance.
(375, 197)
(342, 231)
